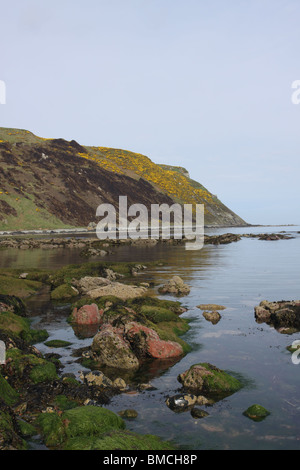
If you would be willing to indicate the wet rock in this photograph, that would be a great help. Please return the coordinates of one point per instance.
(128, 414)
(120, 384)
(96, 378)
(274, 236)
(256, 412)
(111, 349)
(87, 315)
(175, 286)
(207, 379)
(147, 343)
(222, 239)
(214, 317)
(64, 291)
(184, 402)
(198, 413)
(211, 307)
(283, 314)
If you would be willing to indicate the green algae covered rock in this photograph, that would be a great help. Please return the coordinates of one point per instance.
(32, 368)
(79, 422)
(9, 438)
(256, 412)
(63, 292)
(7, 393)
(207, 379)
(119, 440)
(57, 343)
(93, 428)
(11, 323)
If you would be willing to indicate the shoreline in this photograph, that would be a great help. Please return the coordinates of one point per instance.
(82, 230)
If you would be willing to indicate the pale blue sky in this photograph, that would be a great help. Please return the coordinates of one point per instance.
(198, 83)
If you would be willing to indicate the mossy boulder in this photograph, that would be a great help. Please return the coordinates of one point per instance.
(256, 412)
(30, 367)
(64, 292)
(7, 393)
(119, 440)
(26, 429)
(86, 422)
(11, 323)
(9, 437)
(158, 314)
(207, 379)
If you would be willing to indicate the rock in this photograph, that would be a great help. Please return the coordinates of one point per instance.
(111, 349)
(283, 314)
(274, 236)
(256, 413)
(211, 307)
(12, 304)
(207, 379)
(175, 286)
(65, 291)
(184, 402)
(57, 343)
(214, 317)
(120, 384)
(23, 276)
(147, 343)
(262, 314)
(197, 413)
(89, 283)
(91, 252)
(116, 289)
(97, 378)
(221, 239)
(128, 414)
(87, 315)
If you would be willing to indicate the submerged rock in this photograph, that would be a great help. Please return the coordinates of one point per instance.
(211, 307)
(198, 413)
(128, 414)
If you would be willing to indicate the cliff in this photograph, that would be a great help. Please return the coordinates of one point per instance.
(54, 183)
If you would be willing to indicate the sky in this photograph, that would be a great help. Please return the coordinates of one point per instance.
(206, 85)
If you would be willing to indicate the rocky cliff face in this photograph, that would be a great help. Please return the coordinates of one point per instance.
(53, 183)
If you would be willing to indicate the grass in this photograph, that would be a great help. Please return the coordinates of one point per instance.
(29, 215)
(22, 288)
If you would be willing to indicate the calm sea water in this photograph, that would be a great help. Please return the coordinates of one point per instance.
(238, 276)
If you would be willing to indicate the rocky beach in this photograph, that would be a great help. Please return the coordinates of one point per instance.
(133, 326)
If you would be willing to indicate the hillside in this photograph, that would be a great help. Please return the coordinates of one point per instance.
(53, 183)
